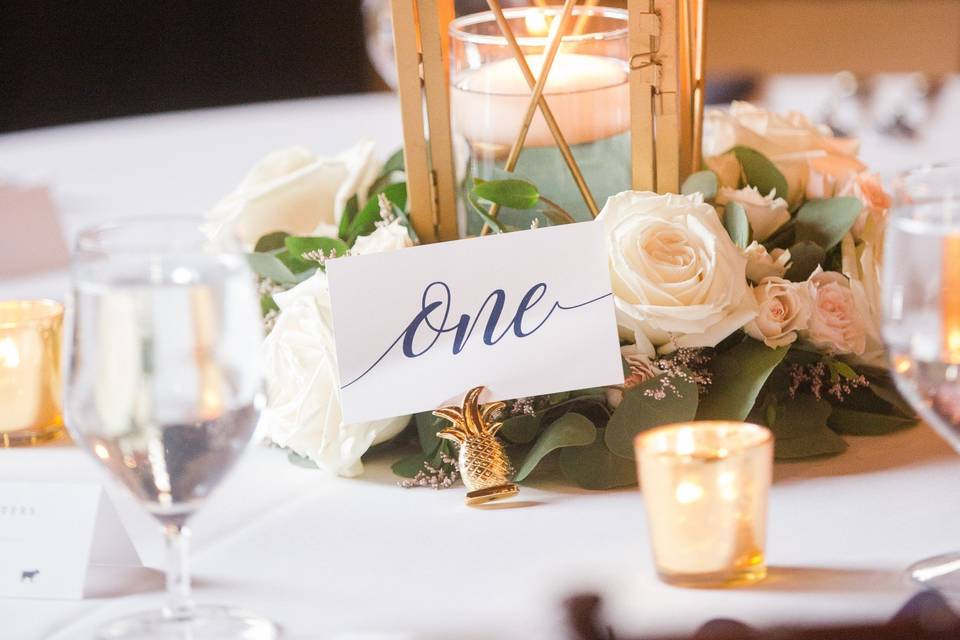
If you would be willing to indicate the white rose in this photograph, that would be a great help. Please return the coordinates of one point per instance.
(761, 264)
(677, 279)
(386, 237)
(861, 263)
(303, 403)
(293, 190)
(783, 310)
(765, 213)
(835, 324)
(794, 144)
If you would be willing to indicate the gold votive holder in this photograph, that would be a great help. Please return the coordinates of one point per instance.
(705, 487)
(30, 401)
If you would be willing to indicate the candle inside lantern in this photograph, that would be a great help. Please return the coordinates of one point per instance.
(588, 95)
(30, 371)
(587, 91)
(705, 488)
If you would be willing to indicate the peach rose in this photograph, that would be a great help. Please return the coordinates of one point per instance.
(784, 309)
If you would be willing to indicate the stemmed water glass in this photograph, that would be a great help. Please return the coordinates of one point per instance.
(921, 316)
(164, 389)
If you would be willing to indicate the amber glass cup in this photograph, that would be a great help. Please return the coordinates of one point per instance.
(705, 487)
(30, 334)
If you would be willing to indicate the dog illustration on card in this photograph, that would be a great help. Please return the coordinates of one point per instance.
(26, 576)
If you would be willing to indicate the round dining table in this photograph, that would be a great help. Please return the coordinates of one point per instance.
(352, 558)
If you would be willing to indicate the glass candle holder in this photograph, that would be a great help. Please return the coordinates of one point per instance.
(30, 334)
(705, 487)
(587, 91)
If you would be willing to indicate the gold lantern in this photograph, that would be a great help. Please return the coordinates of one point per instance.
(663, 88)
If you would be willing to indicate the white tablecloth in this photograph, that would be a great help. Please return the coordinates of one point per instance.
(333, 558)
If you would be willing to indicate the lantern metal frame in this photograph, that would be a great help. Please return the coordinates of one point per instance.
(666, 82)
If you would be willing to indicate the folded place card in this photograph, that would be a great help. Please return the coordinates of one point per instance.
(50, 533)
(32, 237)
(523, 314)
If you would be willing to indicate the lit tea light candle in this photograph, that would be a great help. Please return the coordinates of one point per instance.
(30, 371)
(705, 487)
(588, 95)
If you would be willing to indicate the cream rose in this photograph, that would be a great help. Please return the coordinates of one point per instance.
(761, 264)
(835, 324)
(765, 213)
(783, 310)
(386, 237)
(795, 145)
(861, 263)
(295, 191)
(303, 403)
(678, 280)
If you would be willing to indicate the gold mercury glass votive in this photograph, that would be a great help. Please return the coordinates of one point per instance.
(30, 402)
(705, 487)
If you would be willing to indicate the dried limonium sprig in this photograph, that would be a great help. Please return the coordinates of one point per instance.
(825, 378)
(318, 256)
(443, 476)
(688, 365)
(386, 210)
(267, 287)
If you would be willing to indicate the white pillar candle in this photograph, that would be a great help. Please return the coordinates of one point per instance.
(587, 94)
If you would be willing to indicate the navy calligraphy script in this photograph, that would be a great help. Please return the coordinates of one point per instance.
(432, 321)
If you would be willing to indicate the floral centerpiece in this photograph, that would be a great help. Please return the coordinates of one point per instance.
(753, 294)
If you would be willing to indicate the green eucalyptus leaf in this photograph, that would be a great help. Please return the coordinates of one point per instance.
(738, 375)
(393, 163)
(366, 220)
(295, 263)
(481, 211)
(301, 461)
(891, 396)
(555, 213)
(827, 220)
(349, 212)
(760, 172)
(512, 193)
(862, 423)
(569, 430)
(736, 223)
(703, 182)
(267, 304)
(268, 265)
(805, 257)
(271, 242)
(409, 466)
(427, 427)
(520, 429)
(639, 411)
(596, 467)
(299, 245)
(801, 429)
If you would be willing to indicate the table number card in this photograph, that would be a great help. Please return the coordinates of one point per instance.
(49, 535)
(523, 313)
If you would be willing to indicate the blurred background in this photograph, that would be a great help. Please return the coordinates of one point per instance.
(64, 62)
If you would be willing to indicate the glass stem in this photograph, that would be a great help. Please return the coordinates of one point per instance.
(179, 603)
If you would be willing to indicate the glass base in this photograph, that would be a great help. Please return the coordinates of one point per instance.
(717, 579)
(941, 573)
(32, 436)
(203, 623)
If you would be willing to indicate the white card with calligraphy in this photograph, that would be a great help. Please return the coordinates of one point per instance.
(523, 313)
(50, 534)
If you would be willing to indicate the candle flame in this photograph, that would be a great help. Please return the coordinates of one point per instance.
(536, 23)
(688, 492)
(901, 364)
(9, 354)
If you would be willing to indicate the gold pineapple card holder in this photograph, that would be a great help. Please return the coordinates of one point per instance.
(483, 462)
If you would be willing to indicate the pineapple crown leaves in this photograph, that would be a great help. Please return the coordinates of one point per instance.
(470, 420)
